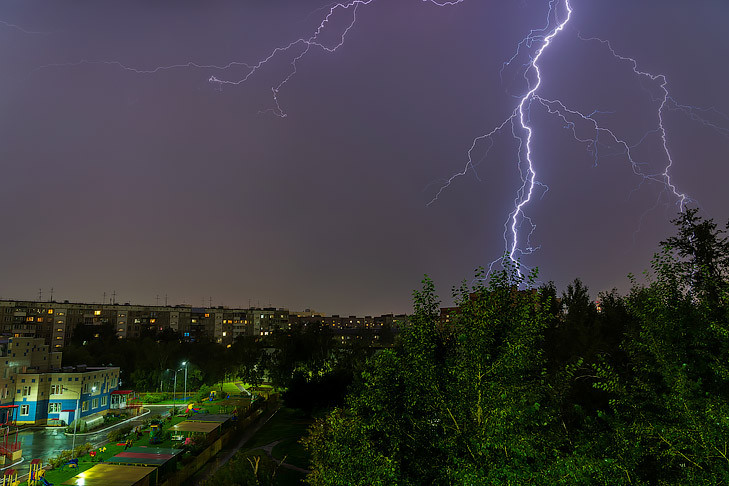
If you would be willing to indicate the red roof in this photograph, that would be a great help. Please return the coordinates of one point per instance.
(122, 392)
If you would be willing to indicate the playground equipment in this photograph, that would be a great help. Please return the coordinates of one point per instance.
(73, 463)
(9, 448)
(36, 472)
(10, 478)
(155, 434)
(213, 395)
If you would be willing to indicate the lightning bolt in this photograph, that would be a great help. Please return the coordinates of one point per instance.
(23, 29)
(599, 145)
(519, 121)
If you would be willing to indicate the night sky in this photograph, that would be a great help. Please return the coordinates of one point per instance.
(162, 183)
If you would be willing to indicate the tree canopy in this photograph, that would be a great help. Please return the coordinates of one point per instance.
(525, 387)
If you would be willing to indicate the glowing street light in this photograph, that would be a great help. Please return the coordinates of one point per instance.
(184, 363)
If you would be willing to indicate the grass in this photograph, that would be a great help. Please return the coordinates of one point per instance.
(286, 423)
(293, 452)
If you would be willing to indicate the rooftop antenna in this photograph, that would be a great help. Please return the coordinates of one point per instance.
(113, 298)
(51, 294)
(165, 300)
(157, 299)
(210, 301)
(40, 295)
(103, 301)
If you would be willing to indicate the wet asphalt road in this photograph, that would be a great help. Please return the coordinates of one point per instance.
(44, 443)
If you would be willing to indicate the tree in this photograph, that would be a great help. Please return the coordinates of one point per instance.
(669, 396)
(467, 403)
(705, 254)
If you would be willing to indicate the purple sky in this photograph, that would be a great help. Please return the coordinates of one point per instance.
(163, 183)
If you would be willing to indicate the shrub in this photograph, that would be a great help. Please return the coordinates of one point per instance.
(117, 435)
(203, 393)
(155, 397)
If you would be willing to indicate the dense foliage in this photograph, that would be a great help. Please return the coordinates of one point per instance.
(309, 361)
(526, 387)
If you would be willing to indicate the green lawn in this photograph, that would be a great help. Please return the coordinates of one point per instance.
(291, 452)
(288, 426)
(285, 424)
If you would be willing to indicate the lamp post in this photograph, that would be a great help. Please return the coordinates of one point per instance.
(75, 418)
(184, 363)
(174, 396)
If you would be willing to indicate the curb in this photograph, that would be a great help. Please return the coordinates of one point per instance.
(109, 427)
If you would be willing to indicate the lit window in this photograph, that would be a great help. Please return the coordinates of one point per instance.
(40, 319)
(50, 311)
(207, 315)
(29, 319)
(225, 333)
(54, 407)
(97, 312)
(152, 321)
(24, 409)
(58, 337)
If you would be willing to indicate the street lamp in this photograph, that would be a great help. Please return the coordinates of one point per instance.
(184, 363)
(76, 416)
(174, 396)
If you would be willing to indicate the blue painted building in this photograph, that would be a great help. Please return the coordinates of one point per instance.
(31, 377)
(59, 397)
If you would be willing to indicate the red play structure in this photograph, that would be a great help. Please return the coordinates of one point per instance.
(8, 446)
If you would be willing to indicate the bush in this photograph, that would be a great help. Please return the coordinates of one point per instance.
(203, 393)
(155, 397)
(65, 456)
(117, 435)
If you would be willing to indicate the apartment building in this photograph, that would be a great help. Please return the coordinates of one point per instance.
(43, 392)
(56, 322)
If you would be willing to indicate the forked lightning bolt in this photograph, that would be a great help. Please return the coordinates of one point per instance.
(518, 123)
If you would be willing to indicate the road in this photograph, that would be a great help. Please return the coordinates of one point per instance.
(44, 443)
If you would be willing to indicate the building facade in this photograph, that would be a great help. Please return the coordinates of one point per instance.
(41, 392)
(56, 322)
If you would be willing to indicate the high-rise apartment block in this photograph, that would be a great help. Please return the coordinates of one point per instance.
(56, 322)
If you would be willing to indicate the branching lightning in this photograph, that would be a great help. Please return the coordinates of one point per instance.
(518, 227)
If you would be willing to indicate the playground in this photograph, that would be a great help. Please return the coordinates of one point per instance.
(157, 444)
